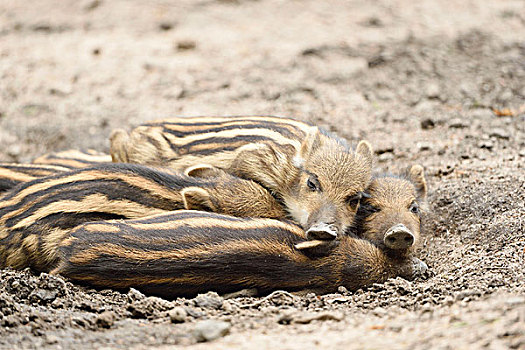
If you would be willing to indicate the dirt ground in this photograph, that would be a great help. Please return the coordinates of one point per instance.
(440, 83)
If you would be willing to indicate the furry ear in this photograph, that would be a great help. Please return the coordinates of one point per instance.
(196, 198)
(119, 140)
(203, 171)
(310, 143)
(317, 247)
(364, 149)
(253, 157)
(416, 174)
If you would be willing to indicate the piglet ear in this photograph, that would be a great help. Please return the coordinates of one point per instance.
(203, 171)
(416, 174)
(251, 158)
(317, 247)
(312, 142)
(195, 198)
(119, 140)
(364, 150)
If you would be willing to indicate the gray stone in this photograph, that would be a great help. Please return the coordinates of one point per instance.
(43, 295)
(134, 294)
(14, 150)
(457, 123)
(486, 144)
(433, 90)
(424, 146)
(51, 339)
(178, 315)
(427, 124)
(342, 290)
(106, 319)
(500, 134)
(209, 300)
(209, 330)
(150, 307)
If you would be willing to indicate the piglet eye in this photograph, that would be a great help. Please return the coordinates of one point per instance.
(374, 209)
(414, 208)
(312, 184)
(368, 209)
(353, 201)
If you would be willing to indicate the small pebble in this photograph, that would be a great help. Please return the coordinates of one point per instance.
(43, 295)
(51, 339)
(209, 330)
(134, 294)
(457, 123)
(424, 146)
(165, 26)
(209, 300)
(500, 134)
(185, 45)
(487, 144)
(433, 90)
(106, 319)
(14, 150)
(427, 124)
(178, 315)
(343, 290)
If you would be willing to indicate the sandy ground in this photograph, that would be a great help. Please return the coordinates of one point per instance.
(440, 83)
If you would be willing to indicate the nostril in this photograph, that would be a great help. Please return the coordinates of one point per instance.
(322, 231)
(399, 237)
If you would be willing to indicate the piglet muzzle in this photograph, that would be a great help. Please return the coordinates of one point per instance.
(399, 237)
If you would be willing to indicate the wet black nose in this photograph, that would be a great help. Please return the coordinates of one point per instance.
(322, 231)
(399, 237)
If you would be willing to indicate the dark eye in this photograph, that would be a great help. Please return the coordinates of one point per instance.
(313, 183)
(353, 201)
(414, 208)
(369, 208)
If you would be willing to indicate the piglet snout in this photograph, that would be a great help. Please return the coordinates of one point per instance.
(322, 231)
(399, 237)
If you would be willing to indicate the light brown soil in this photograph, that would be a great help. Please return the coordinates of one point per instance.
(419, 80)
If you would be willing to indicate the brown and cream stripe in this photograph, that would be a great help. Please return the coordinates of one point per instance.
(187, 252)
(36, 215)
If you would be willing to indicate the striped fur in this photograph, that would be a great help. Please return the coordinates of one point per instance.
(37, 215)
(187, 252)
(183, 142)
(74, 159)
(12, 174)
(318, 178)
